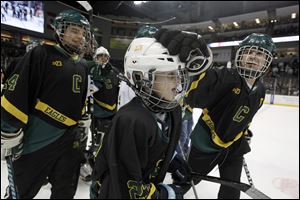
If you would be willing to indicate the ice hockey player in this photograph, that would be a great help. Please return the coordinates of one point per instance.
(86, 170)
(40, 109)
(105, 100)
(136, 154)
(105, 103)
(125, 91)
(229, 99)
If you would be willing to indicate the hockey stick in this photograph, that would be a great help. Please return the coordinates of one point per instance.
(248, 139)
(11, 181)
(247, 172)
(192, 182)
(87, 6)
(251, 191)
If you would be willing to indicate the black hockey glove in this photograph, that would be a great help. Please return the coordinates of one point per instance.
(248, 135)
(170, 191)
(181, 171)
(190, 47)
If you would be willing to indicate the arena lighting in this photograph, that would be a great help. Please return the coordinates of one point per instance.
(211, 28)
(139, 2)
(235, 24)
(257, 20)
(293, 15)
(236, 43)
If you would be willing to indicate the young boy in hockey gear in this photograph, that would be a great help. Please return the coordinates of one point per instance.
(135, 155)
(229, 99)
(126, 94)
(40, 107)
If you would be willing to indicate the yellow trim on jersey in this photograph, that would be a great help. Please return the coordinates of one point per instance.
(13, 110)
(97, 152)
(104, 105)
(194, 84)
(54, 114)
(189, 108)
(206, 118)
(261, 101)
(152, 191)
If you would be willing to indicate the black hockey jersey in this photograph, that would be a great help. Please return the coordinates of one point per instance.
(45, 83)
(136, 153)
(228, 106)
(105, 99)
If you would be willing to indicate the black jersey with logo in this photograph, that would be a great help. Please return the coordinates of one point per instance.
(46, 83)
(105, 99)
(228, 104)
(136, 153)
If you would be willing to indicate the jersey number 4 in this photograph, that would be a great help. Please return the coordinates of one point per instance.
(11, 83)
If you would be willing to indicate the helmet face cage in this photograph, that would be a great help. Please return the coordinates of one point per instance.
(152, 97)
(60, 31)
(255, 56)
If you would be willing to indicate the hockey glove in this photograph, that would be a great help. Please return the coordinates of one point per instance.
(170, 191)
(84, 124)
(11, 144)
(190, 47)
(85, 121)
(181, 172)
(248, 135)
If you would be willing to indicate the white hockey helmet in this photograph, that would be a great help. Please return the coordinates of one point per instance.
(102, 51)
(145, 61)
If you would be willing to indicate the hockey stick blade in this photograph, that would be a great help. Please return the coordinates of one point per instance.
(251, 191)
(86, 5)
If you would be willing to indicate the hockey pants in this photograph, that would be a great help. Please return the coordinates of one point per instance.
(59, 161)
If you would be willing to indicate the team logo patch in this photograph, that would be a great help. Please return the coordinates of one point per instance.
(236, 90)
(138, 48)
(57, 63)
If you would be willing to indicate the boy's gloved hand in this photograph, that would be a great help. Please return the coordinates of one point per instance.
(190, 47)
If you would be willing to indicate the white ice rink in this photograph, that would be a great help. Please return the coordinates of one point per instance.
(273, 161)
